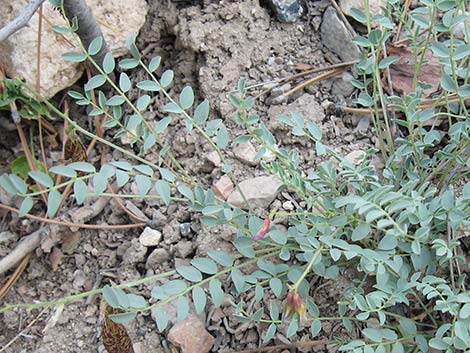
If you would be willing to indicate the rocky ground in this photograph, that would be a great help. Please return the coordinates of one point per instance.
(209, 45)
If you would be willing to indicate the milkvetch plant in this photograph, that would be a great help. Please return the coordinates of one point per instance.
(397, 230)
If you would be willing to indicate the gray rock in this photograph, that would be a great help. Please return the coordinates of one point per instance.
(159, 219)
(343, 86)
(306, 105)
(374, 6)
(245, 152)
(184, 248)
(336, 37)
(171, 233)
(185, 229)
(287, 10)
(135, 253)
(259, 192)
(150, 237)
(355, 157)
(18, 53)
(362, 126)
(157, 257)
(215, 238)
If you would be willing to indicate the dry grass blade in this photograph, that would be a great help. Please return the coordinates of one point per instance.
(115, 336)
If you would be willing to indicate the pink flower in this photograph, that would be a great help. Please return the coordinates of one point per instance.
(261, 233)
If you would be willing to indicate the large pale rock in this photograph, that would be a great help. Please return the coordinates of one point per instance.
(336, 37)
(191, 336)
(374, 6)
(259, 192)
(245, 152)
(150, 237)
(119, 19)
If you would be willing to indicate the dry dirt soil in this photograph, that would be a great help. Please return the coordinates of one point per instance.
(209, 45)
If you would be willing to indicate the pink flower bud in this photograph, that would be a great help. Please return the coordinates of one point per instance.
(261, 233)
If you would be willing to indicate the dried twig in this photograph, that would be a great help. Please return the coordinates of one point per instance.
(15, 275)
(75, 225)
(26, 245)
(20, 21)
(23, 331)
(343, 18)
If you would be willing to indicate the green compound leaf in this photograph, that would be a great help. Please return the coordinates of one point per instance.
(26, 206)
(205, 265)
(149, 85)
(20, 167)
(128, 63)
(222, 138)
(53, 202)
(75, 57)
(315, 328)
(163, 189)
(189, 273)
(199, 299)
(271, 331)
(238, 279)
(273, 310)
(358, 15)
(41, 178)
(109, 64)
(95, 46)
(216, 292)
(182, 308)
(143, 102)
(64, 170)
(221, 257)
(144, 169)
(18, 183)
(465, 311)
(155, 63)
(100, 183)
(115, 101)
(360, 232)
(186, 98)
(80, 190)
(278, 236)
(162, 125)
(293, 326)
(82, 167)
(124, 83)
(386, 62)
(186, 191)
(161, 318)
(149, 142)
(201, 113)
(110, 295)
(121, 178)
(95, 82)
(166, 78)
(174, 287)
(123, 318)
(172, 108)
(143, 184)
(167, 174)
(276, 286)
(136, 301)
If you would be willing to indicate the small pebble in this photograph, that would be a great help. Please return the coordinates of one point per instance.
(150, 237)
(288, 206)
(185, 229)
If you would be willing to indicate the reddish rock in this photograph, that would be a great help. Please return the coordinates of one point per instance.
(223, 187)
(191, 336)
